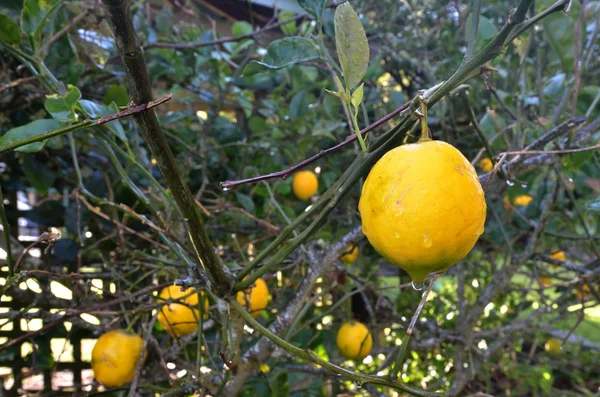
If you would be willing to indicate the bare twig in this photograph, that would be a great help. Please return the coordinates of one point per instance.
(284, 174)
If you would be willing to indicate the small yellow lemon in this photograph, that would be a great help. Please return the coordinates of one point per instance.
(522, 200)
(115, 356)
(422, 207)
(545, 281)
(583, 292)
(255, 298)
(553, 345)
(305, 184)
(180, 318)
(486, 165)
(559, 256)
(354, 340)
(350, 256)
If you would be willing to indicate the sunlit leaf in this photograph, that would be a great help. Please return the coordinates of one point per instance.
(351, 45)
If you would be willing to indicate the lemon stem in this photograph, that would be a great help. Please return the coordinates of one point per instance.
(361, 141)
(425, 136)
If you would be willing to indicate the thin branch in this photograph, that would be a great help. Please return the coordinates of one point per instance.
(310, 356)
(74, 313)
(475, 12)
(284, 174)
(538, 152)
(85, 123)
(140, 91)
(6, 234)
(406, 339)
(199, 44)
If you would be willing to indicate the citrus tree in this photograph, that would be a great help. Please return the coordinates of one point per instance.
(204, 198)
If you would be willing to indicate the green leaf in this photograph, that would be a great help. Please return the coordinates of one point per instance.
(299, 104)
(246, 202)
(117, 94)
(280, 386)
(313, 7)
(61, 107)
(40, 177)
(289, 28)
(555, 86)
(95, 110)
(37, 127)
(282, 53)
(34, 15)
(241, 28)
(485, 31)
(9, 30)
(356, 98)
(351, 45)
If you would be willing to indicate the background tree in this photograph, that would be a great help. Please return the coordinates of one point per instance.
(196, 189)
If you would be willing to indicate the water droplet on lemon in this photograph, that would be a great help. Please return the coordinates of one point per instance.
(427, 243)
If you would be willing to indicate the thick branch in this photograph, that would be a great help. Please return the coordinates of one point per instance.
(139, 87)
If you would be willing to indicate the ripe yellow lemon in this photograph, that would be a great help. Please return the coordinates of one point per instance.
(486, 165)
(559, 256)
(522, 200)
(305, 184)
(180, 318)
(545, 281)
(255, 298)
(350, 256)
(583, 292)
(422, 207)
(553, 345)
(354, 340)
(115, 356)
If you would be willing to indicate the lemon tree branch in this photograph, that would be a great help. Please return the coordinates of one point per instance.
(139, 88)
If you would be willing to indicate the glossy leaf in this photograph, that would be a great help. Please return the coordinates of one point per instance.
(313, 7)
(37, 127)
(34, 16)
(357, 97)
(61, 108)
(9, 30)
(351, 45)
(241, 28)
(282, 53)
(95, 110)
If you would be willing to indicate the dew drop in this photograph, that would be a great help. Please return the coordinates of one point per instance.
(510, 183)
(427, 243)
(225, 188)
(397, 234)
(524, 185)
(417, 286)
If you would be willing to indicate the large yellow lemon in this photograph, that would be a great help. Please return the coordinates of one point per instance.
(422, 207)
(354, 340)
(305, 184)
(181, 317)
(115, 356)
(255, 298)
